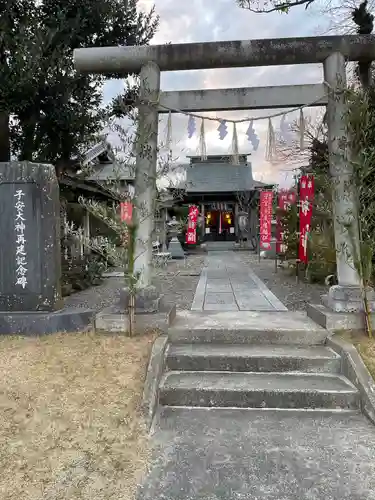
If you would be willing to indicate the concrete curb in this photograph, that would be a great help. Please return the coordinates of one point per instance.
(271, 297)
(335, 320)
(355, 370)
(155, 371)
(36, 323)
(113, 319)
(198, 301)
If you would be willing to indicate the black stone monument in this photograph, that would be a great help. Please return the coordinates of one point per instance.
(30, 258)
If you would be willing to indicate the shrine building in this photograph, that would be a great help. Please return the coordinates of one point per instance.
(222, 191)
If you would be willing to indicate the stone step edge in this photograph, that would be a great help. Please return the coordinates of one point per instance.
(170, 352)
(351, 387)
(176, 327)
(328, 411)
(225, 360)
(246, 336)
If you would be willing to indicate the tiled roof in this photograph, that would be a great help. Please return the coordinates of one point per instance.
(111, 172)
(219, 177)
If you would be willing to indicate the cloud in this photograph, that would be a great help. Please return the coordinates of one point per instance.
(200, 21)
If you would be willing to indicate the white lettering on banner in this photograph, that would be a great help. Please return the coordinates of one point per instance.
(19, 227)
(191, 237)
(194, 212)
(305, 206)
(305, 238)
(265, 219)
(191, 234)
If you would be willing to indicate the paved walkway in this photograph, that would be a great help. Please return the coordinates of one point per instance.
(227, 285)
(224, 454)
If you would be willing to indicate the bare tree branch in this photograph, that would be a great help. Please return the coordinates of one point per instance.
(276, 5)
(290, 152)
(340, 15)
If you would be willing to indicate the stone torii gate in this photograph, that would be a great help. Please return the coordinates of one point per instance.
(332, 52)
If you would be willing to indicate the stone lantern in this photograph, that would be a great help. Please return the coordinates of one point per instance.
(175, 247)
(243, 226)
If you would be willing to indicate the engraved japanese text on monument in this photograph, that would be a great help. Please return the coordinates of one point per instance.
(19, 227)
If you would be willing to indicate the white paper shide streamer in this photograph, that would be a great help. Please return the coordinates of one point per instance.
(202, 142)
(235, 152)
(271, 142)
(284, 134)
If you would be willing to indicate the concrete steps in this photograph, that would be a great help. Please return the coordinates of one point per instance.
(245, 327)
(258, 390)
(252, 358)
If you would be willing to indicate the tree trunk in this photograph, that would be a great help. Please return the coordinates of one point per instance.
(4, 136)
(364, 74)
(60, 167)
(28, 127)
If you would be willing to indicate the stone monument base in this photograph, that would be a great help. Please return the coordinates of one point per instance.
(150, 313)
(41, 323)
(147, 300)
(347, 299)
(114, 319)
(332, 320)
(342, 308)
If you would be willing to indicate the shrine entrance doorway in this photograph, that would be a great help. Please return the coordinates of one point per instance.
(220, 224)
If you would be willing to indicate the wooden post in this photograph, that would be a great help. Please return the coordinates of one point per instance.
(203, 215)
(86, 232)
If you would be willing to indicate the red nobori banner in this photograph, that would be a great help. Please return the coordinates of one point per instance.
(126, 212)
(191, 233)
(285, 199)
(266, 198)
(306, 197)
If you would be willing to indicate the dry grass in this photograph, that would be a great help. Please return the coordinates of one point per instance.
(70, 426)
(364, 345)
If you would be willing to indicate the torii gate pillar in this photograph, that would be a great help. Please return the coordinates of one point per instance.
(146, 146)
(346, 296)
(145, 177)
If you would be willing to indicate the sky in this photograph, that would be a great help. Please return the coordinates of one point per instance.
(214, 20)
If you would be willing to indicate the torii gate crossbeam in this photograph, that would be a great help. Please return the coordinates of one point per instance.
(226, 54)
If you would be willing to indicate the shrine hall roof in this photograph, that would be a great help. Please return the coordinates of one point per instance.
(219, 177)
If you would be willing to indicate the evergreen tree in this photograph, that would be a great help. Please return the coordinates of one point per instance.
(364, 21)
(47, 110)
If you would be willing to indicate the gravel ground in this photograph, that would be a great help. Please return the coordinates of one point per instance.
(177, 282)
(283, 283)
